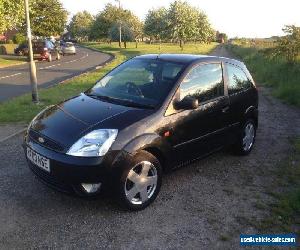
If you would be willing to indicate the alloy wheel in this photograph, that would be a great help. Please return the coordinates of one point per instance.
(249, 134)
(141, 183)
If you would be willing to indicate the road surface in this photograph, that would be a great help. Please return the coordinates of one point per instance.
(15, 81)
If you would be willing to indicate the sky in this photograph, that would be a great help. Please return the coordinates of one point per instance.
(237, 18)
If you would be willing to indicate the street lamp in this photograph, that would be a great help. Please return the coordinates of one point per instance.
(33, 79)
(120, 26)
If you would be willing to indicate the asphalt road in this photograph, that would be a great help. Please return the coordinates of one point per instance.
(15, 81)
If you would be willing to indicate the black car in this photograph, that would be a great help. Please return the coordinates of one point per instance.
(21, 50)
(149, 115)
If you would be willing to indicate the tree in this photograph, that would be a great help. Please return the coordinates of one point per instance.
(80, 25)
(156, 23)
(135, 25)
(48, 17)
(104, 21)
(205, 32)
(182, 22)
(186, 23)
(289, 45)
(108, 19)
(11, 14)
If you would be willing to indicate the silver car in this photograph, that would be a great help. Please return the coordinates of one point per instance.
(68, 49)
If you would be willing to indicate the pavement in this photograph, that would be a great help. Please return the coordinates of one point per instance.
(15, 80)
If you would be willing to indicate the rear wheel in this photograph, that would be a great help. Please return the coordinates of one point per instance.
(246, 139)
(140, 182)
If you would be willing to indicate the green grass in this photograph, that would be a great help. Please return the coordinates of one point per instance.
(9, 61)
(21, 109)
(284, 78)
(285, 212)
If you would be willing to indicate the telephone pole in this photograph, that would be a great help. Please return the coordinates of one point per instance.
(32, 67)
(120, 25)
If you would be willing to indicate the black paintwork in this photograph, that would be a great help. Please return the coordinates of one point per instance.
(190, 133)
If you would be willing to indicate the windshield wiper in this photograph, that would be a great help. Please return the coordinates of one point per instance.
(125, 102)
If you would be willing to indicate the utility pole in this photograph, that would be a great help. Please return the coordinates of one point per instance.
(32, 67)
(120, 25)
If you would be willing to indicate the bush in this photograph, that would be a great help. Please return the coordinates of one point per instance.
(19, 38)
(275, 72)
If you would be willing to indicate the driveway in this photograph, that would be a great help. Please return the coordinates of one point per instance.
(15, 81)
(205, 205)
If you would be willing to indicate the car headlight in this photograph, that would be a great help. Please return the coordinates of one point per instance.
(95, 143)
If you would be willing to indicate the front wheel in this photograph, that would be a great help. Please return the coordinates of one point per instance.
(246, 139)
(140, 183)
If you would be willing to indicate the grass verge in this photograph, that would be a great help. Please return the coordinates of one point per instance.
(285, 212)
(284, 78)
(21, 109)
(10, 61)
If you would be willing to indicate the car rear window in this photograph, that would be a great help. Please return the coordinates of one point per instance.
(238, 80)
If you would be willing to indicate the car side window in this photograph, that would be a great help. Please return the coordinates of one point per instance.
(238, 80)
(204, 82)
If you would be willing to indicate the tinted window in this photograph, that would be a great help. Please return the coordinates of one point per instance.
(140, 81)
(204, 82)
(237, 79)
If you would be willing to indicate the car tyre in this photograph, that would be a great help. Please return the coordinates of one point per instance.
(140, 182)
(246, 138)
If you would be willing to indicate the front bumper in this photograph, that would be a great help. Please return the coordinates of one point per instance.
(68, 172)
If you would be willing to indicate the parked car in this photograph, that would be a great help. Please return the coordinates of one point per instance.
(149, 115)
(45, 50)
(21, 50)
(68, 48)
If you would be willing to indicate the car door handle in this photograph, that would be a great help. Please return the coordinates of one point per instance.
(225, 109)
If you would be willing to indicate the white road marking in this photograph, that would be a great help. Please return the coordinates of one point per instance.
(48, 67)
(3, 77)
(75, 60)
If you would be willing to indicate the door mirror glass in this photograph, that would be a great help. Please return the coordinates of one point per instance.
(187, 102)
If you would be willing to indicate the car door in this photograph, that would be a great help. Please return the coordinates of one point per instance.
(240, 96)
(199, 131)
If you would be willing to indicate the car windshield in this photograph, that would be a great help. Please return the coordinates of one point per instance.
(138, 82)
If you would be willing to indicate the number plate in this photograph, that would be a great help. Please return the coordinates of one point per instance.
(38, 160)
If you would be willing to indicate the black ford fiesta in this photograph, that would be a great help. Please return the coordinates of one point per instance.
(149, 115)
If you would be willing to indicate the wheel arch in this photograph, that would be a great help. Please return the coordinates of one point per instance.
(251, 113)
(153, 144)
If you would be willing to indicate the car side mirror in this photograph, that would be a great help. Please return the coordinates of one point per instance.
(187, 102)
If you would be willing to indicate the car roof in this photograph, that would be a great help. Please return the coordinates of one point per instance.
(189, 58)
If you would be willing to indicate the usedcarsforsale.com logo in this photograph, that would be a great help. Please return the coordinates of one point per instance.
(268, 240)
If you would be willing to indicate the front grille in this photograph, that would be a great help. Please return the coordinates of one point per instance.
(48, 143)
(49, 179)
